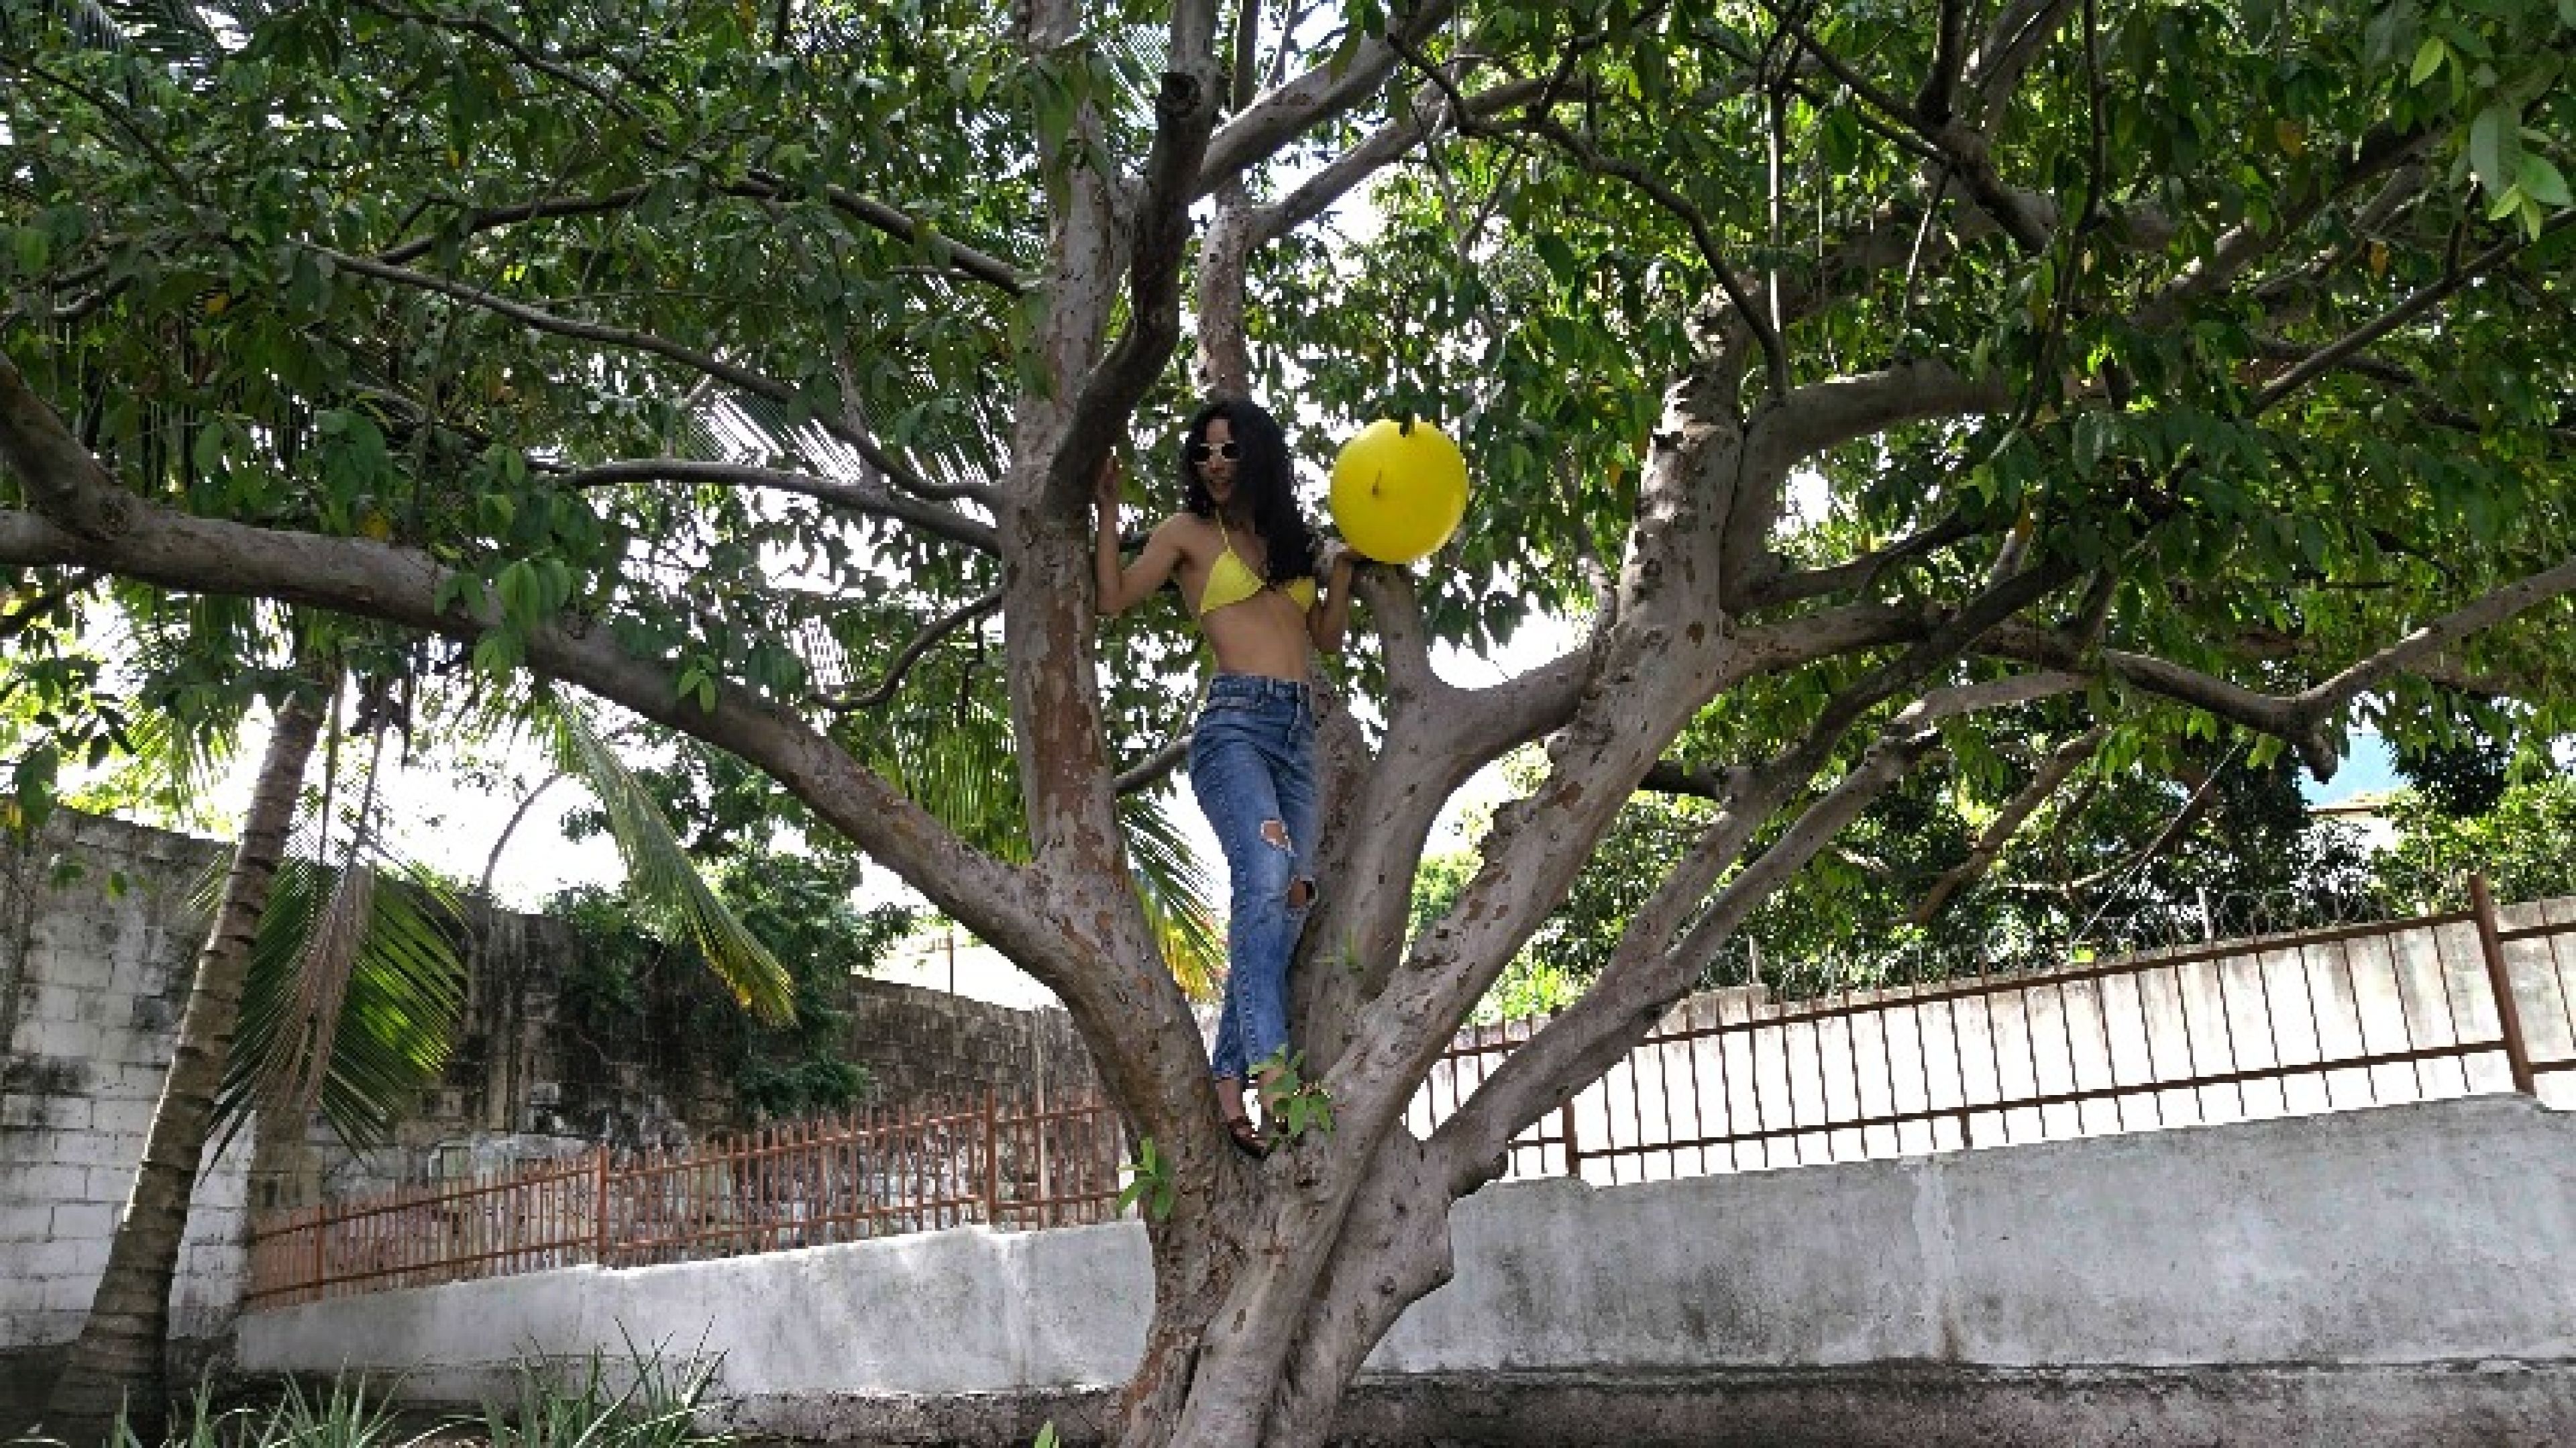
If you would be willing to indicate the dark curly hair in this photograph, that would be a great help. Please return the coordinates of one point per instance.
(1262, 478)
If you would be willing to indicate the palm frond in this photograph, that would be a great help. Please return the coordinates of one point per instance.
(401, 999)
(955, 759)
(1173, 889)
(958, 763)
(664, 879)
(167, 30)
(322, 983)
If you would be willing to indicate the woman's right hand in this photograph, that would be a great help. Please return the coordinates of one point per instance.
(1104, 488)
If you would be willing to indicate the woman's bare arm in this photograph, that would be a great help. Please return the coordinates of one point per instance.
(1332, 613)
(1122, 588)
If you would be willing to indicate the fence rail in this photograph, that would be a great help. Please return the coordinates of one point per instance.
(2322, 1020)
(797, 1184)
(2325, 1020)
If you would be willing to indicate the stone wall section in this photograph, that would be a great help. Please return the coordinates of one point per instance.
(98, 934)
(94, 964)
(926, 1046)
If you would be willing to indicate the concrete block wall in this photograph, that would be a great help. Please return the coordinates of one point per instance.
(97, 937)
(96, 964)
(2399, 1276)
(923, 1046)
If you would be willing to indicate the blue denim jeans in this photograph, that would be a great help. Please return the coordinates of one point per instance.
(1252, 764)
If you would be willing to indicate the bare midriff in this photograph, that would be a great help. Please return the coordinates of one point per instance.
(1264, 634)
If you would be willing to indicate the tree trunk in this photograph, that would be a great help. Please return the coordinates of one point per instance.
(121, 1359)
(1267, 1300)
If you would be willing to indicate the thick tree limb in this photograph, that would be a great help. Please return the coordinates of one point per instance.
(1821, 415)
(63, 481)
(1404, 636)
(1315, 96)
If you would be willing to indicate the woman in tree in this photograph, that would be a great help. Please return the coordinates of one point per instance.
(1265, 591)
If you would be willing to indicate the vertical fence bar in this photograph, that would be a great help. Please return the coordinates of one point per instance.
(2508, 1015)
(599, 1210)
(992, 1159)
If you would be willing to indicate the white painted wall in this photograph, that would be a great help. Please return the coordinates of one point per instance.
(100, 984)
(2428, 1233)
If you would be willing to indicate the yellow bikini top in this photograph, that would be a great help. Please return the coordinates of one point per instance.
(1231, 581)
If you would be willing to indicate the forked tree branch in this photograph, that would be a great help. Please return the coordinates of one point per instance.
(1648, 970)
(1538, 1076)
(1185, 112)
(1381, 148)
(408, 588)
(1317, 95)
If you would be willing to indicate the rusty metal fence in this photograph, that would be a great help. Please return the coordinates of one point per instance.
(1732, 1080)
(797, 1184)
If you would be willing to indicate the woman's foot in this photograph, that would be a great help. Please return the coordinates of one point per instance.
(1247, 1138)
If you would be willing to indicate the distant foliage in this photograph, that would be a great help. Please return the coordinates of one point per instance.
(628, 979)
(2526, 845)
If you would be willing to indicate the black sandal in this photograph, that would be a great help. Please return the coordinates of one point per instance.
(1247, 1138)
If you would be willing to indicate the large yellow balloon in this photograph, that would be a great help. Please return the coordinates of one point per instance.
(1397, 494)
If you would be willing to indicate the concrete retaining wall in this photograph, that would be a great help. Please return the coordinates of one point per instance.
(97, 940)
(94, 963)
(2232, 1284)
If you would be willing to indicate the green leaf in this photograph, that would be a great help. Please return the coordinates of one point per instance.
(354, 995)
(2541, 181)
(2428, 59)
(2487, 139)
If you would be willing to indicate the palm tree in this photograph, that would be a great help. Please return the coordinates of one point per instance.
(118, 1361)
(337, 988)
